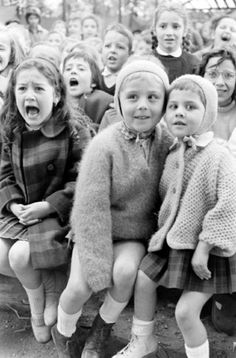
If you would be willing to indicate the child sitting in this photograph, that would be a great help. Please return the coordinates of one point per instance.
(195, 244)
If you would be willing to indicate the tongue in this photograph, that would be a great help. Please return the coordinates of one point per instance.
(32, 112)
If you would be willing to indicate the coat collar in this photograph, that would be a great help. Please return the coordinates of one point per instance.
(51, 129)
(195, 142)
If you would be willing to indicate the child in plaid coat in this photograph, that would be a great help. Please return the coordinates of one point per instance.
(41, 150)
(195, 244)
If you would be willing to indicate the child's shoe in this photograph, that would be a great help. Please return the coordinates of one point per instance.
(41, 332)
(61, 343)
(54, 283)
(139, 347)
(97, 339)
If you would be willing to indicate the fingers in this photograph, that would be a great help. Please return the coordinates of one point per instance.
(29, 222)
(203, 273)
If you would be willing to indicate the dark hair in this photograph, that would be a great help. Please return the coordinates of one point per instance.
(123, 30)
(11, 119)
(222, 54)
(215, 21)
(179, 9)
(96, 74)
(186, 43)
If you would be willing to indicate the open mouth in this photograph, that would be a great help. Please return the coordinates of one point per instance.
(32, 111)
(225, 37)
(111, 58)
(73, 82)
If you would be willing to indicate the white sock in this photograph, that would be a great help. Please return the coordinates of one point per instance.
(36, 301)
(66, 323)
(111, 309)
(142, 328)
(201, 351)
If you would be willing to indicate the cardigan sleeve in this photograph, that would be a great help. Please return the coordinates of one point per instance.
(219, 224)
(91, 215)
(9, 189)
(61, 200)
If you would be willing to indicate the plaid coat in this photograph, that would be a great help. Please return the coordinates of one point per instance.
(41, 165)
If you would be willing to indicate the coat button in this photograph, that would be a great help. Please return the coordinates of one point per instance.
(50, 167)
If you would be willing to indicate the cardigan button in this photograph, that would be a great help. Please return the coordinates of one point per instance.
(177, 165)
(174, 190)
(50, 167)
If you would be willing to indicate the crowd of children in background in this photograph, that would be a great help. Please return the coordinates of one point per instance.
(110, 177)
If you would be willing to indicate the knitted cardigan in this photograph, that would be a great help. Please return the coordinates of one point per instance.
(116, 198)
(201, 203)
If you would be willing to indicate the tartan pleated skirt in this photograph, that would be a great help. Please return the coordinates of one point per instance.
(172, 269)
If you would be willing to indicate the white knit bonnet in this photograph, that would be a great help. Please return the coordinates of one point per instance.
(134, 67)
(211, 100)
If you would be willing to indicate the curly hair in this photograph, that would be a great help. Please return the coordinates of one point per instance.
(11, 120)
(180, 10)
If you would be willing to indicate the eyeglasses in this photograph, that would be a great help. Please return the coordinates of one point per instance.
(215, 74)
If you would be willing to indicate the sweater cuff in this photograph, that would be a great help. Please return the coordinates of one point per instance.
(99, 283)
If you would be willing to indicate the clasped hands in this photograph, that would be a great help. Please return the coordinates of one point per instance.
(31, 214)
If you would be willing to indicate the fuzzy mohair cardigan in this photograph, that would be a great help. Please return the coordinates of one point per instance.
(116, 198)
(199, 200)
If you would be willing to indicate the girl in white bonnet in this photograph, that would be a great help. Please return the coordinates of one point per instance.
(114, 209)
(194, 247)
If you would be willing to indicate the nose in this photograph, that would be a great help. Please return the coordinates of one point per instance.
(179, 112)
(169, 30)
(29, 94)
(142, 103)
(220, 80)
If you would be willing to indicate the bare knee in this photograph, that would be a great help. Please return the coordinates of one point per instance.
(184, 315)
(124, 274)
(77, 291)
(19, 255)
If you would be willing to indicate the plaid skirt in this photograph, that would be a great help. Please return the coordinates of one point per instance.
(49, 247)
(172, 269)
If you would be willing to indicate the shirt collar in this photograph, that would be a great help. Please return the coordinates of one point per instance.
(176, 53)
(200, 141)
(107, 73)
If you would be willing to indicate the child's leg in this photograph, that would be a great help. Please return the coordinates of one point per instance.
(143, 341)
(5, 268)
(72, 299)
(54, 282)
(127, 257)
(187, 314)
(20, 262)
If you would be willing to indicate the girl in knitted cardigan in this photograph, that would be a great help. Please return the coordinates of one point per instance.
(194, 247)
(115, 202)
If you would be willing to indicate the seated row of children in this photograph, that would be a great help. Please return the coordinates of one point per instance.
(115, 187)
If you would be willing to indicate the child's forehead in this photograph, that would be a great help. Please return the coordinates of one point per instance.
(146, 78)
(115, 36)
(77, 60)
